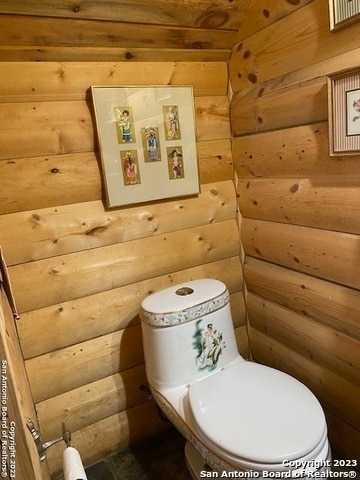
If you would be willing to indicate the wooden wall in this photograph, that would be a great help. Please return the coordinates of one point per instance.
(300, 207)
(79, 271)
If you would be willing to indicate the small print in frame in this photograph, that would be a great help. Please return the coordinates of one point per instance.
(130, 167)
(171, 121)
(353, 112)
(344, 113)
(151, 144)
(175, 163)
(124, 124)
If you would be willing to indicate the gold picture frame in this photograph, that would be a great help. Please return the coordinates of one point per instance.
(344, 113)
(147, 142)
(343, 13)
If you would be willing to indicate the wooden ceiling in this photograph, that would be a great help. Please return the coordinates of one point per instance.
(116, 30)
(133, 30)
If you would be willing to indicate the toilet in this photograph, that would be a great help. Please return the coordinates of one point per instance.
(239, 418)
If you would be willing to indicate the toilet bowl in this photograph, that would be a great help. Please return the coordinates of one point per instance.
(236, 415)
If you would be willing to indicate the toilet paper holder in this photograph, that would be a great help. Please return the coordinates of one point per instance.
(42, 447)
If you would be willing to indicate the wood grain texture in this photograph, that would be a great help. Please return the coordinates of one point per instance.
(333, 350)
(70, 81)
(329, 255)
(75, 275)
(47, 232)
(82, 319)
(301, 201)
(300, 152)
(219, 14)
(329, 303)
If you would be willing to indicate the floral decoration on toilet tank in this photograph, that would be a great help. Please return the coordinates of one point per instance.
(209, 344)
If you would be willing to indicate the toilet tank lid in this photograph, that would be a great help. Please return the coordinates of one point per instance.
(183, 302)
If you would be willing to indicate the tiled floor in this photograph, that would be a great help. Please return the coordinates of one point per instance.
(161, 458)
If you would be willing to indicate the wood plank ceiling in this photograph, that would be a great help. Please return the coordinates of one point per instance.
(118, 30)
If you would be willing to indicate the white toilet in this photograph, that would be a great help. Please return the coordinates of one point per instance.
(236, 415)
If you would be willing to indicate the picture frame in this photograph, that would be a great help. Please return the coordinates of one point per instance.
(344, 113)
(343, 13)
(147, 142)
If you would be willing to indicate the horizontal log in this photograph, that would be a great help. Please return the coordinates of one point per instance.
(331, 304)
(89, 317)
(77, 176)
(344, 438)
(259, 14)
(69, 32)
(331, 203)
(113, 434)
(76, 275)
(215, 161)
(92, 402)
(259, 111)
(50, 128)
(113, 54)
(335, 393)
(84, 363)
(333, 350)
(299, 152)
(67, 81)
(299, 78)
(242, 340)
(329, 255)
(252, 61)
(45, 128)
(46, 232)
(215, 14)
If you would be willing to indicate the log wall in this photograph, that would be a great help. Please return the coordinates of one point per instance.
(299, 206)
(79, 271)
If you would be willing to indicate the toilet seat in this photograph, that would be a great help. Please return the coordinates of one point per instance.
(258, 415)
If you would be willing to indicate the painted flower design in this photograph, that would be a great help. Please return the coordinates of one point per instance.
(356, 107)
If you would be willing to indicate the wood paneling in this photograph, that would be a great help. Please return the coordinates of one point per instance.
(299, 152)
(323, 345)
(76, 275)
(329, 255)
(268, 53)
(79, 271)
(65, 32)
(219, 14)
(299, 206)
(70, 81)
(57, 230)
(301, 201)
(54, 128)
(19, 456)
(112, 310)
(328, 303)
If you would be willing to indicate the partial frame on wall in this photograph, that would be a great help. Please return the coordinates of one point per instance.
(344, 113)
(147, 142)
(343, 13)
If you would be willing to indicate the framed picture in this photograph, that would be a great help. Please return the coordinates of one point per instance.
(343, 13)
(344, 113)
(147, 142)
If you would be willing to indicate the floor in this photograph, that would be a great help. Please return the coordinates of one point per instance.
(161, 458)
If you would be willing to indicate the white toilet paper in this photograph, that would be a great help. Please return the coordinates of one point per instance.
(72, 465)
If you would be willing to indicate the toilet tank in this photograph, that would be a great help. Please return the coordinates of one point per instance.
(187, 333)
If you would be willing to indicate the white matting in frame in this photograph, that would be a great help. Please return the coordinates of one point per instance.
(344, 113)
(147, 142)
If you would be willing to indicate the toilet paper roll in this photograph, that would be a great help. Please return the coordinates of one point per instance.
(72, 465)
